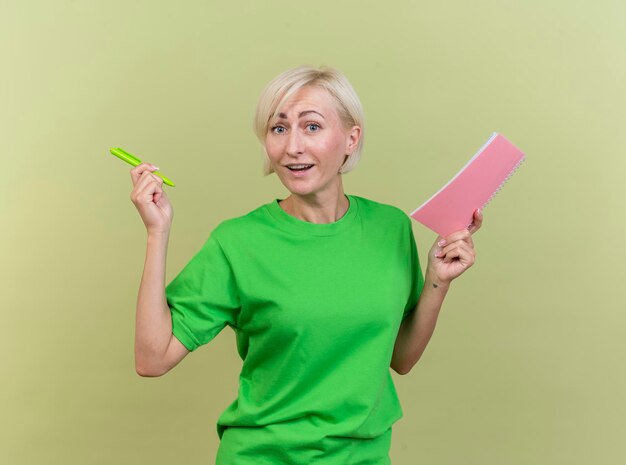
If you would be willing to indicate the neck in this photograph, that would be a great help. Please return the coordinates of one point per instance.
(319, 208)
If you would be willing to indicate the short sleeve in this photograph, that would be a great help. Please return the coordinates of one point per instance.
(203, 298)
(417, 278)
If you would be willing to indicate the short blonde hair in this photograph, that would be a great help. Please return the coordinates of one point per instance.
(286, 84)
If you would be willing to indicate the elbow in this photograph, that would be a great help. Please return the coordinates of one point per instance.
(146, 370)
(399, 364)
(401, 369)
(148, 373)
(407, 368)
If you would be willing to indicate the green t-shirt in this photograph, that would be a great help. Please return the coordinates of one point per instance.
(316, 309)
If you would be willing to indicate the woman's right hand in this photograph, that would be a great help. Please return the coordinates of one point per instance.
(148, 196)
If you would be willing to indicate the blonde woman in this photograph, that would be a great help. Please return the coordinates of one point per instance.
(323, 289)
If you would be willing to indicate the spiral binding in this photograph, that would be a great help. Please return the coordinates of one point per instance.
(511, 173)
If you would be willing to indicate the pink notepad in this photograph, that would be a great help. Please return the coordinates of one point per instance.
(452, 207)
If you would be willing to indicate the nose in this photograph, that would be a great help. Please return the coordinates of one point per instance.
(295, 143)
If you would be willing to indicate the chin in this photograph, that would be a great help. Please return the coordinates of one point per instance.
(300, 191)
(305, 187)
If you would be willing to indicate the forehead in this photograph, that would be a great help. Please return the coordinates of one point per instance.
(311, 98)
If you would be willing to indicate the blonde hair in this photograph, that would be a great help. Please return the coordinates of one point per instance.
(286, 84)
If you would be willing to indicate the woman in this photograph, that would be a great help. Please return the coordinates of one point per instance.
(323, 290)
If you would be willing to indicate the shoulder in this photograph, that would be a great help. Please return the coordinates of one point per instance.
(246, 225)
(371, 209)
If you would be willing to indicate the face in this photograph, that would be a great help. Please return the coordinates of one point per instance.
(308, 131)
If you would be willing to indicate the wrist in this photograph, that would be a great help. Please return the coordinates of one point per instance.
(434, 282)
(157, 236)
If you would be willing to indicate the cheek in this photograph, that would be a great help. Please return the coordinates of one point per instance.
(333, 146)
(271, 148)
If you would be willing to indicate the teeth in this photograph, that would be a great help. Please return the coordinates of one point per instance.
(298, 166)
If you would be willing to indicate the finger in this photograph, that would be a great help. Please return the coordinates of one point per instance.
(145, 173)
(458, 245)
(147, 184)
(442, 252)
(455, 247)
(462, 235)
(462, 254)
(157, 196)
(158, 193)
(453, 250)
(138, 170)
(477, 221)
(149, 190)
(146, 177)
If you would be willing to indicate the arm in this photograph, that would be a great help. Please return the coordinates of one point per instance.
(156, 349)
(418, 327)
(448, 258)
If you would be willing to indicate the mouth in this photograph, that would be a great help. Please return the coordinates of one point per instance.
(299, 168)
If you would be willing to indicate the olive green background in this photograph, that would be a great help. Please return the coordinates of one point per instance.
(527, 363)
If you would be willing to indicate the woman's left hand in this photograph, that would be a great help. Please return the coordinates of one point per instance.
(450, 258)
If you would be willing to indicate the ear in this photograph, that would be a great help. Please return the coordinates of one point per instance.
(352, 139)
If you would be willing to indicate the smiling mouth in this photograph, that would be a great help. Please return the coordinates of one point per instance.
(302, 167)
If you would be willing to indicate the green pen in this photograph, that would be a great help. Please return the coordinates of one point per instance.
(133, 160)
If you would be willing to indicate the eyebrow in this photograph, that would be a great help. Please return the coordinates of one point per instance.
(284, 116)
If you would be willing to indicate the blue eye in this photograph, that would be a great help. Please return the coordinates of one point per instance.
(317, 126)
(275, 129)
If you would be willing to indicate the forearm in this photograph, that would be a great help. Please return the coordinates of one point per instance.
(417, 328)
(153, 324)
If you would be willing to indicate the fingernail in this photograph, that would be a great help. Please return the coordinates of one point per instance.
(442, 242)
(155, 167)
(438, 252)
